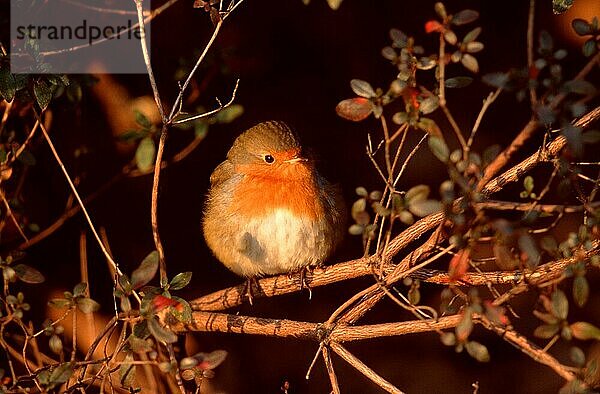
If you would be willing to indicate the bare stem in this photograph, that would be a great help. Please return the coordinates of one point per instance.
(362, 368)
(530, 29)
(142, 27)
(191, 74)
(77, 197)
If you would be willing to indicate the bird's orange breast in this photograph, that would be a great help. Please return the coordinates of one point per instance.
(290, 187)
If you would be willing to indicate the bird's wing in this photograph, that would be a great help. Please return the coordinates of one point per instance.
(223, 172)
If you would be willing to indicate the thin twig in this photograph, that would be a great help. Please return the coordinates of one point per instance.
(146, 53)
(486, 104)
(362, 368)
(529, 130)
(442, 93)
(179, 98)
(335, 388)
(154, 207)
(74, 190)
(10, 214)
(523, 344)
(530, 65)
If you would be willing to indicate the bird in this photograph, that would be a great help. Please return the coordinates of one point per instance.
(268, 211)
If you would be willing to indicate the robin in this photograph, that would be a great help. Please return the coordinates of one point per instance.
(268, 210)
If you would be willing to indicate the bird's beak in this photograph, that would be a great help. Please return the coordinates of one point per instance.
(295, 159)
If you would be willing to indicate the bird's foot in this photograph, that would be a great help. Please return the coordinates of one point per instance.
(303, 280)
(248, 289)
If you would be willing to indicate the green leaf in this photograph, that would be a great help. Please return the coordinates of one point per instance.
(465, 16)
(43, 93)
(142, 120)
(356, 229)
(589, 47)
(400, 118)
(380, 209)
(429, 126)
(546, 331)
(591, 137)
(200, 129)
(472, 35)
(334, 4)
(79, 289)
(474, 47)
(528, 183)
(581, 27)
(361, 191)
(429, 105)
(127, 371)
(141, 331)
(180, 281)
(389, 53)
(448, 338)
(560, 6)
(8, 84)
(583, 330)
(61, 373)
(55, 344)
(425, 207)
(440, 9)
(161, 333)
(406, 217)
(229, 114)
(125, 304)
(59, 303)
(125, 283)
(132, 135)
(144, 155)
(417, 193)
(498, 80)
(478, 351)
(28, 274)
(146, 271)
(87, 305)
(183, 312)
(560, 304)
(458, 82)
(575, 386)
(581, 290)
(577, 356)
(450, 37)
(399, 38)
(439, 148)
(579, 86)
(464, 327)
(362, 88)
(469, 62)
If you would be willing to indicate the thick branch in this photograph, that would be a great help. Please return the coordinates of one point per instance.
(282, 328)
(284, 284)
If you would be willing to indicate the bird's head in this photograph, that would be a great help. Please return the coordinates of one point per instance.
(269, 150)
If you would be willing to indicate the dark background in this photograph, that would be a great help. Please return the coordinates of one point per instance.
(295, 63)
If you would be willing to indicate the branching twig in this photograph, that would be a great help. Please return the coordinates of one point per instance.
(523, 344)
(362, 368)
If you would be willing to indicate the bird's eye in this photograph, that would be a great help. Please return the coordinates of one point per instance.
(269, 159)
